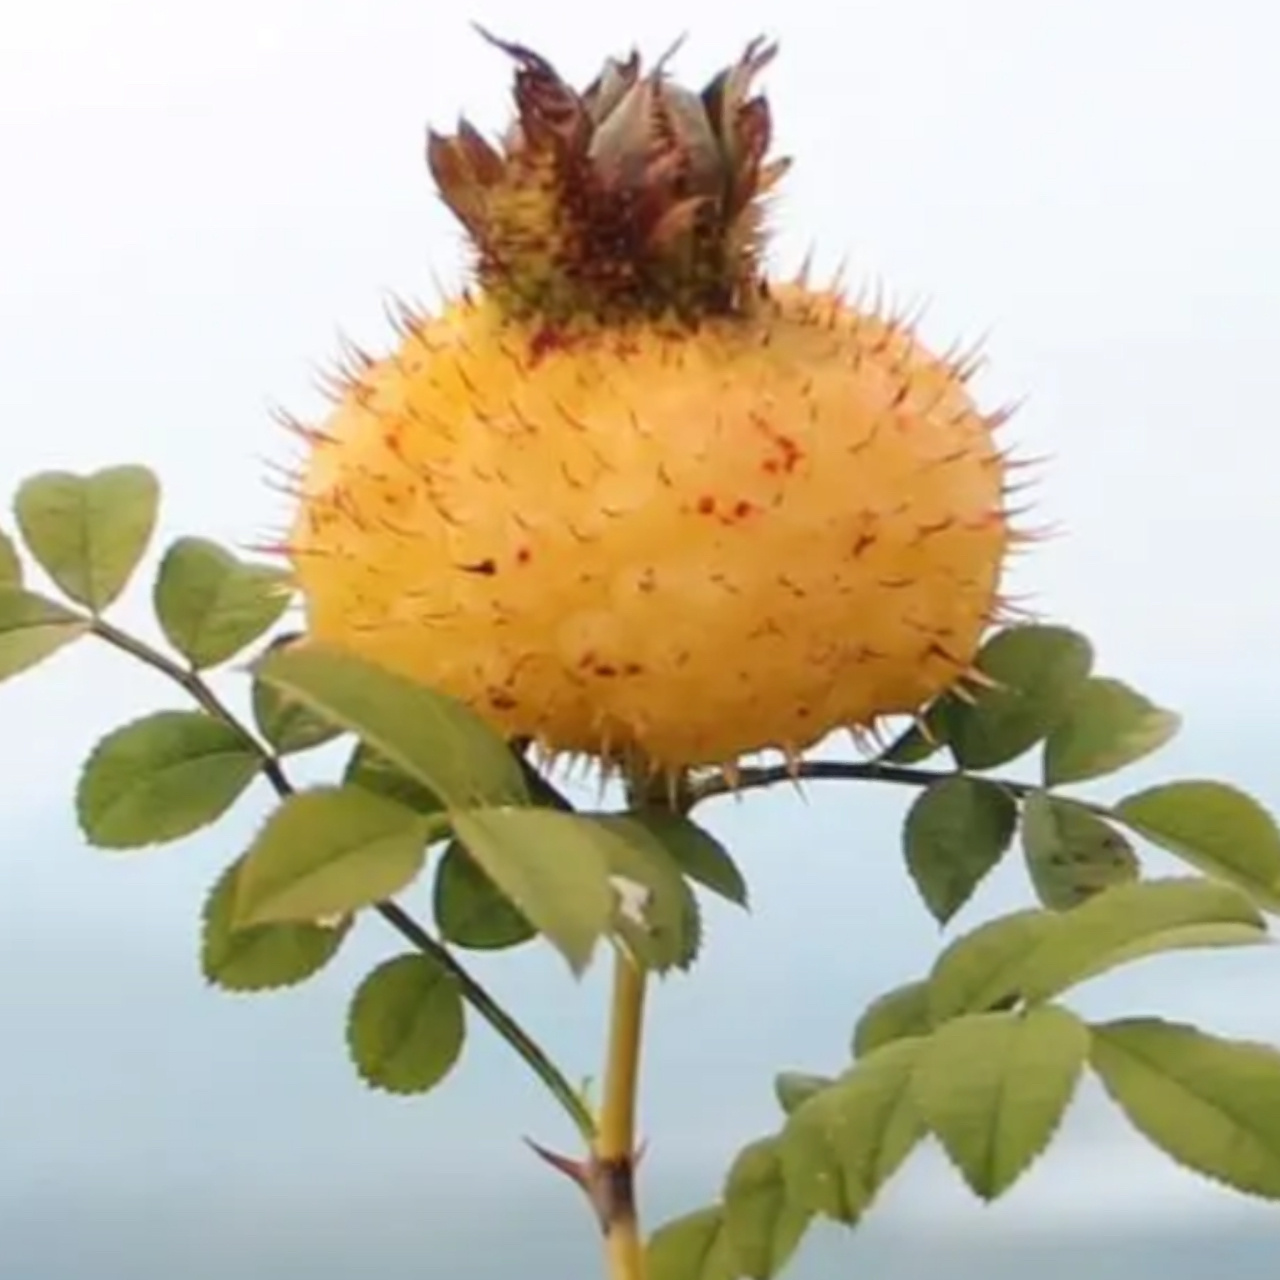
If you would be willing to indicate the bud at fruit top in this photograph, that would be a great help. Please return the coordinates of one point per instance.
(629, 497)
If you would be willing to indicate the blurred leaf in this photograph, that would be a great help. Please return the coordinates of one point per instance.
(956, 832)
(327, 852)
(89, 532)
(1071, 853)
(993, 1089)
(692, 1247)
(840, 1147)
(1039, 670)
(553, 866)
(981, 970)
(162, 777)
(470, 910)
(794, 1088)
(1128, 922)
(699, 854)
(263, 957)
(902, 1012)
(1213, 826)
(660, 922)
(407, 1025)
(32, 629)
(434, 738)
(1211, 1104)
(1107, 726)
(763, 1226)
(211, 604)
(10, 565)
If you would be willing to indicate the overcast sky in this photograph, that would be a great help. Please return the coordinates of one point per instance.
(199, 198)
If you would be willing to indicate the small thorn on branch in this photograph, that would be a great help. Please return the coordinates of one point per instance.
(577, 1171)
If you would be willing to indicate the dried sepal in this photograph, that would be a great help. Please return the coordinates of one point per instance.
(636, 195)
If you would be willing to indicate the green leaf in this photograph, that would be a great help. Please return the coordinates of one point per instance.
(693, 1247)
(211, 604)
(328, 852)
(980, 971)
(89, 532)
(1131, 921)
(372, 771)
(1213, 826)
(10, 565)
(914, 745)
(264, 957)
(699, 854)
(470, 910)
(902, 1012)
(993, 1089)
(432, 737)
(407, 1025)
(1039, 670)
(1071, 853)
(1107, 726)
(656, 914)
(553, 866)
(955, 833)
(763, 1226)
(162, 777)
(288, 725)
(1211, 1104)
(33, 629)
(846, 1142)
(794, 1088)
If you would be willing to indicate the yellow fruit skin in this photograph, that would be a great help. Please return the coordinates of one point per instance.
(690, 545)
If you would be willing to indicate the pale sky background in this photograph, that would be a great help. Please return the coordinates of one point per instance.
(198, 198)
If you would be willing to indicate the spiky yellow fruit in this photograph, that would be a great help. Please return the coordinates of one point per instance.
(630, 499)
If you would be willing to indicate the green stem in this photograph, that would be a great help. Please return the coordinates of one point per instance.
(396, 916)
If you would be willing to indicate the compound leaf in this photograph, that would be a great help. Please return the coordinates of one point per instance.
(764, 1227)
(263, 957)
(11, 574)
(434, 738)
(288, 725)
(211, 605)
(993, 1089)
(371, 770)
(1128, 922)
(922, 739)
(955, 833)
(1071, 853)
(842, 1145)
(33, 628)
(692, 1247)
(981, 970)
(1213, 826)
(1038, 670)
(794, 1088)
(1211, 1104)
(162, 777)
(902, 1012)
(697, 852)
(89, 532)
(554, 867)
(1107, 726)
(407, 1025)
(470, 910)
(328, 852)
(656, 914)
